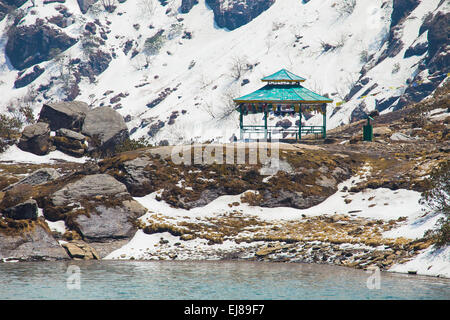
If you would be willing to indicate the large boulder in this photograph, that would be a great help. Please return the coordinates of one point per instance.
(69, 115)
(28, 241)
(32, 44)
(106, 128)
(24, 210)
(89, 187)
(70, 142)
(401, 9)
(103, 210)
(237, 12)
(35, 138)
(26, 79)
(110, 223)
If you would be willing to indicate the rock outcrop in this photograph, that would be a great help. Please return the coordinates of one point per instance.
(35, 138)
(80, 250)
(97, 206)
(28, 241)
(146, 172)
(85, 5)
(97, 62)
(435, 65)
(236, 13)
(105, 127)
(32, 44)
(68, 115)
(28, 78)
(88, 188)
(38, 177)
(78, 130)
(24, 210)
(186, 5)
(70, 142)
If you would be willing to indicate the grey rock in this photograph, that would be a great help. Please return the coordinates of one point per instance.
(290, 199)
(35, 139)
(28, 78)
(110, 222)
(111, 210)
(70, 142)
(36, 244)
(80, 250)
(70, 134)
(136, 178)
(24, 210)
(69, 115)
(186, 5)
(237, 12)
(38, 177)
(36, 129)
(106, 126)
(85, 5)
(89, 187)
(29, 45)
(398, 136)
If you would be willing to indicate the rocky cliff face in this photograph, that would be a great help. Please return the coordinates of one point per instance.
(433, 68)
(30, 45)
(236, 13)
(186, 5)
(436, 65)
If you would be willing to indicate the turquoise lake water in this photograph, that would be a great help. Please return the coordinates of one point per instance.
(166, 280)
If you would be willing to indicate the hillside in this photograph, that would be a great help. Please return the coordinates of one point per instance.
(340, 201)
(165, 65)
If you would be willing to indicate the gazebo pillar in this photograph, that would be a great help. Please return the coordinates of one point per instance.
(265, 122)
(300, 122)
(241, 123)
(324, 113)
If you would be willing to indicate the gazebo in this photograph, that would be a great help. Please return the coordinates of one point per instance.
(283, 93)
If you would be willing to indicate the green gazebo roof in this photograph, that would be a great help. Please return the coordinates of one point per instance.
(277, 91)
(283, 76)
(283, 94)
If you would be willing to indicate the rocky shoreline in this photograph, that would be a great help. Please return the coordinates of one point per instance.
(341, 201)
(90, 214)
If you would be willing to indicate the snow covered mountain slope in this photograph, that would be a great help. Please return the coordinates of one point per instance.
(171, 71)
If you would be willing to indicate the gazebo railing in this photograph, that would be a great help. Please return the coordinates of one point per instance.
(305, 130)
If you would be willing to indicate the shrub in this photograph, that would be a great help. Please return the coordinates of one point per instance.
(364, 56)
(437, 198)
(240, 65)
(175, 30)
(153, 44)
(132, 144)
(11, 124)
(396, 68)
